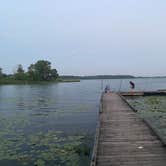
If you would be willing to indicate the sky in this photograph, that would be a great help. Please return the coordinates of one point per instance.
(85, 37)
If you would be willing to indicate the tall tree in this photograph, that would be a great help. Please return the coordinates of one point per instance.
(42, 71)
(1, 74)
(32, 73)
(20, 69)
(54, 74)
(20, 74)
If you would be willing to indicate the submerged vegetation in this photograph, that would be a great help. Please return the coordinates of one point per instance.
(39, 128)
(24, 140)
(40, 149)
(152, 108)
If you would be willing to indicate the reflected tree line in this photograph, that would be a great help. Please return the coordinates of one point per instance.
(39, 71)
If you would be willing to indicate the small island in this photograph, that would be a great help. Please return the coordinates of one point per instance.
(40, 72)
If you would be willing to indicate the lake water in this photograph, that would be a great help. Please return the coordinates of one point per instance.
(54, 124)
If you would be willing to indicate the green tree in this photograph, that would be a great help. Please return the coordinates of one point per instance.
(31, 73)
(54, 74)
(1, 74)
(20, 74)
(20, 69)
(41, 71)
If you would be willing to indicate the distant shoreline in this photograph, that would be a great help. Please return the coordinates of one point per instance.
(70, 79)
(105, 77)
(24, 82)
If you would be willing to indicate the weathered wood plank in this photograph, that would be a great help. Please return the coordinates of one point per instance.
(124, 138)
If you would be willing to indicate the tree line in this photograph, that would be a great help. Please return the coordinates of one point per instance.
(98, 77)
(39, 71)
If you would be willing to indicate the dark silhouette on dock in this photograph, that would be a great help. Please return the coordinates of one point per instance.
(132, 85)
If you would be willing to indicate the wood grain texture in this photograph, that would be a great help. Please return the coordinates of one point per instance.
(124, 139)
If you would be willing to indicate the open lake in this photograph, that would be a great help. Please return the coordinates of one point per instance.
(54, 124)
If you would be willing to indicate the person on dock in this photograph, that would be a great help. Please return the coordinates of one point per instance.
(107, 89)
(132, 85)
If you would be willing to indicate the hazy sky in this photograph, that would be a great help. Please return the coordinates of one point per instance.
(85, 37)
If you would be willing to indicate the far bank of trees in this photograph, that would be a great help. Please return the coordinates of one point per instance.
(39, 71)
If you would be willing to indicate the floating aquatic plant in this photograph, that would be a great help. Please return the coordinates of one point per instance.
(34, 130)
(43, 148)
(152, 108)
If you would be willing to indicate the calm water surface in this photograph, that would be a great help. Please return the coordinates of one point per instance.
(54, 124)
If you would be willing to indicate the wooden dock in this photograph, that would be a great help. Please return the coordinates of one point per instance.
(144, 93)
(124, 139)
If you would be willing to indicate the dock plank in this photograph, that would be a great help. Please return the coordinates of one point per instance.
(124, 138)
